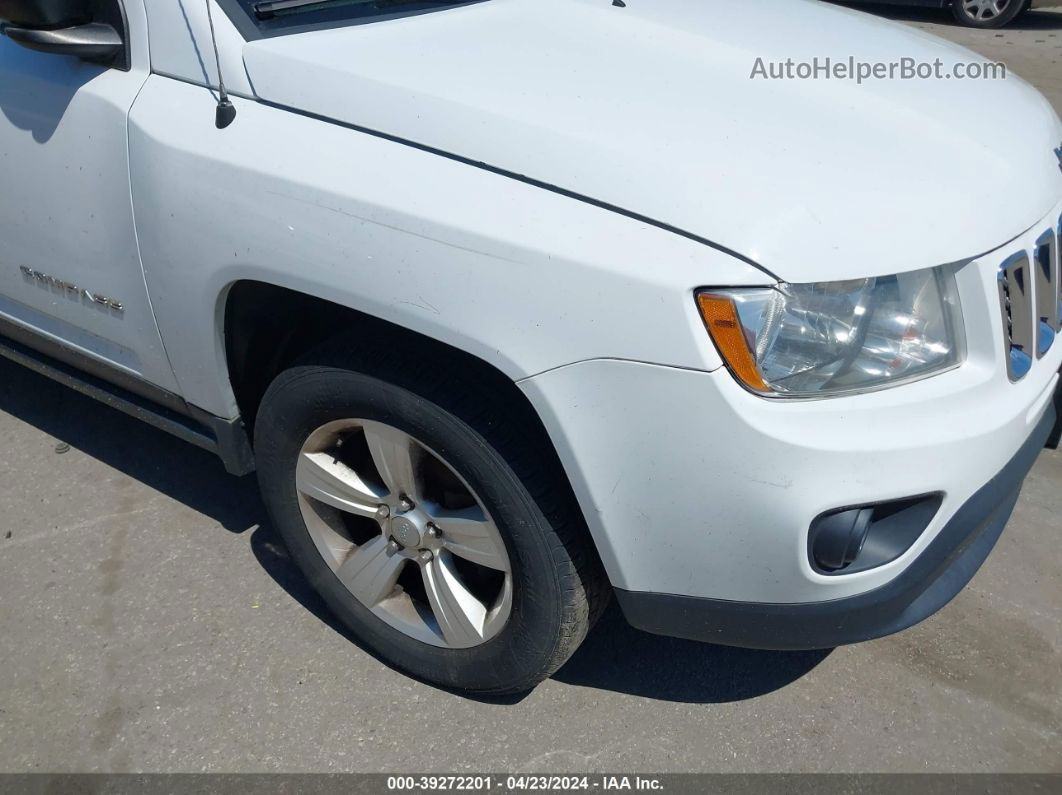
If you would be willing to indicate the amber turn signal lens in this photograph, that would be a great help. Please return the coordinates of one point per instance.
(720, 315)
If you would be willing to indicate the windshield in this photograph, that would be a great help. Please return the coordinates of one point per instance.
(258, 18)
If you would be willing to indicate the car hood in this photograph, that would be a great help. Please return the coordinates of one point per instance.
(651, 108)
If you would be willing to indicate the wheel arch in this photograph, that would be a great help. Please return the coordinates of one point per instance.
(267, 328)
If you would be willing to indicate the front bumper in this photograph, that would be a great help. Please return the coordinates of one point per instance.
(696, 489)
(929, 583)
(692, 486)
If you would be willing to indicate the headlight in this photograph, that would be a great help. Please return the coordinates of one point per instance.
(816, 340)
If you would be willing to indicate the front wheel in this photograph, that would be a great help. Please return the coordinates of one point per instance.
(417, 531)
(987, 13)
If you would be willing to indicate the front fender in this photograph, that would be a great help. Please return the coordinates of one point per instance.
(521, 277)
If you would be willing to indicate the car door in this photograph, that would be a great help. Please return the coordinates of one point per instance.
(71, 280)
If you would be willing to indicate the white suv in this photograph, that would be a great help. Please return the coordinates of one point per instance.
(514, 304)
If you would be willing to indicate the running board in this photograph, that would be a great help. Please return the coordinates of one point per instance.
(225, 438)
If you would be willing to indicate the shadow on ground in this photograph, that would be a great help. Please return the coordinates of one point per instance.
(1030, 20)
(620, 658)
(177, 469)
(614, 657)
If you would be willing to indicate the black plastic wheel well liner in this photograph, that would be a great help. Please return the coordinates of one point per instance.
(269, 328)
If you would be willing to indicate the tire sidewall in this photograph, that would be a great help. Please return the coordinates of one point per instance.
(305, 398)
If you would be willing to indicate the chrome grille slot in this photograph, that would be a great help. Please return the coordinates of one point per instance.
(1046, 270)
(1015, 300)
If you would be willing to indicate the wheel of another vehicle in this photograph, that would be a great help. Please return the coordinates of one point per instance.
(987, 13)
(410, 518)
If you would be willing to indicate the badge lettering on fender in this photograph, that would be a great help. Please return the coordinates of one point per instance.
(72, 289)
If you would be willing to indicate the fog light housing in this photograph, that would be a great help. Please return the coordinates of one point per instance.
(839, 538)
(849, 540)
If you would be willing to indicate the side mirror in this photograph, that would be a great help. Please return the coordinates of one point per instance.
(93, 30)
(47, 13)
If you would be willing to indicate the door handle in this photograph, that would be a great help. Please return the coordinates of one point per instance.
(95, 41)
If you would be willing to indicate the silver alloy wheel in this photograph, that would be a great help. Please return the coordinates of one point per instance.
(405, 533)
(984, 10)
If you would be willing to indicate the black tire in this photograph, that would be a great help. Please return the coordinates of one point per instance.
(559, 588)
(1011, 12)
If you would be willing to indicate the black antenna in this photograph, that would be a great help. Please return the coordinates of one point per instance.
(226, 111)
